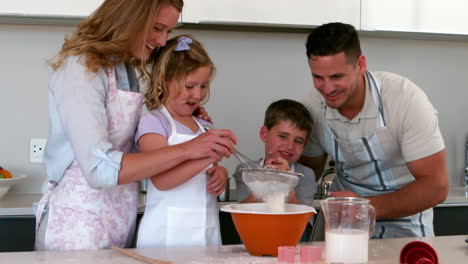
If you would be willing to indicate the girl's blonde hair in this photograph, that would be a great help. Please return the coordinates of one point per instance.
(171, 65)
(105, 37)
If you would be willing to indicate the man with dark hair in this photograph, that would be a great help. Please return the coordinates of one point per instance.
(380, 129)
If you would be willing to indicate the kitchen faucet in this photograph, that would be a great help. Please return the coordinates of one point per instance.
(325, 181)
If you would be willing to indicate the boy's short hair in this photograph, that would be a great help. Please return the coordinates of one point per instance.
(287, 109)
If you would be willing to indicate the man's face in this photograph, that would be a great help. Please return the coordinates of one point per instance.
(284, 140)
(336, 79)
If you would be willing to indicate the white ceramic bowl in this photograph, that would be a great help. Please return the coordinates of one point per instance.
(5, 184)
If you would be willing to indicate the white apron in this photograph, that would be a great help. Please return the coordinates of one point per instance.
(373, 165)
(186, 215)
(80, 217)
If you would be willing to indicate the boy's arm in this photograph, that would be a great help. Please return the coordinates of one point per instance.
(317, 164)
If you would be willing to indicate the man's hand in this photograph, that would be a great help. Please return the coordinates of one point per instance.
(429, 188)
(217, 182)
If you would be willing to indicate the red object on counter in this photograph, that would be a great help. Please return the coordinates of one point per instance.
(418, 252)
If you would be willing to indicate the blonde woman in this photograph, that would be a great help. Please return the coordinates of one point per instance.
(94, 107)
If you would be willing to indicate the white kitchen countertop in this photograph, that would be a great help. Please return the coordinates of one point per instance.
(20, 204)
(450, 249)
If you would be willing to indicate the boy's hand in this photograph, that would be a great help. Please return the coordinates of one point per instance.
(292, 198)
(278, 163)
(217, 182)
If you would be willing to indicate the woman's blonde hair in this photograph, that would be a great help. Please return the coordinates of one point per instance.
(105, 37)
(171, 65)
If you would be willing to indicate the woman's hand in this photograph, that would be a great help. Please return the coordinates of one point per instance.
(278, 163)
(217, 182)
(200, 112)
(215, 143)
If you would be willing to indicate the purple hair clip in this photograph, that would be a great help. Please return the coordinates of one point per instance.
(183, 43)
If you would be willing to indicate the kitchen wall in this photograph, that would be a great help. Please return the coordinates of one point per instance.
(253, 69)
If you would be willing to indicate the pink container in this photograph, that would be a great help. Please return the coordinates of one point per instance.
(287, 254)
(309, 254)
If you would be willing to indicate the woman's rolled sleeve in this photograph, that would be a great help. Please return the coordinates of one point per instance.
(81, 103)
(106, 173)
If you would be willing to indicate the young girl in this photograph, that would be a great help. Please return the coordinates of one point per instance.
(181, 207)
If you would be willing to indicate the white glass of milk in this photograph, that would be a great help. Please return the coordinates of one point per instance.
(349, 222)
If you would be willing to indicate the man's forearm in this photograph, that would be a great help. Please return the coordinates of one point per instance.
(411, 199)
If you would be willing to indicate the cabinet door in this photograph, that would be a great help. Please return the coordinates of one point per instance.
(429, 16)
(78, 8)
(17, 233)
(271, 12)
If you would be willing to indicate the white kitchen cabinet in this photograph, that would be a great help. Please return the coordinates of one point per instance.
(271, 12)
(421, 16)
(49, 8)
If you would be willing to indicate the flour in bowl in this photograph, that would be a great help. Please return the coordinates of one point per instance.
(273, 193)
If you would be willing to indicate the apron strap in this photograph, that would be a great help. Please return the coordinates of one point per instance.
(375, 88)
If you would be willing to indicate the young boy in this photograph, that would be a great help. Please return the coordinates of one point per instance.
(285, 131)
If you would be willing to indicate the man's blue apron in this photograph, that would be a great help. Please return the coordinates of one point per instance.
(373, 165)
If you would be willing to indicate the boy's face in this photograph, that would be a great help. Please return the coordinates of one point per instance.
(284, 140)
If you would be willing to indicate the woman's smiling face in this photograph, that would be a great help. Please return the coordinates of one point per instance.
(163, 22)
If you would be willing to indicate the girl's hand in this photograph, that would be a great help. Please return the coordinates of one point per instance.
(200, 112)
(278, 163)
(217, 182)
(215, 143)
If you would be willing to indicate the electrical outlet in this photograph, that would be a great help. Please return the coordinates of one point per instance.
(36, 149)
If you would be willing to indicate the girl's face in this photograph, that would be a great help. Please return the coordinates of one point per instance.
(164, 21)
(183, 103)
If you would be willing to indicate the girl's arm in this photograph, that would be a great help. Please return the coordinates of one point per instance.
(193, 157)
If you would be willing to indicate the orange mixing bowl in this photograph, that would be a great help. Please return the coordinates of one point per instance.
(262, 231)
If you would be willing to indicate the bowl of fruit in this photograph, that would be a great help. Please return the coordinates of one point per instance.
(7, 179)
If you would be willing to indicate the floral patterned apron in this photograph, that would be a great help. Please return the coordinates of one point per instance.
(80, 217)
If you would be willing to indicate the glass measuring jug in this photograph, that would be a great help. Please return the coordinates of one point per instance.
(349, 222)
